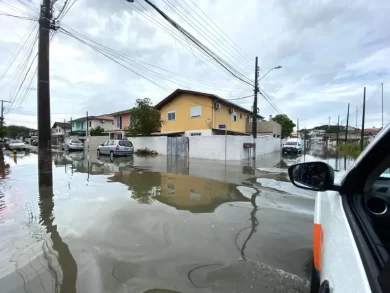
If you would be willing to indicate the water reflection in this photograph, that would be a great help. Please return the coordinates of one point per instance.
(64, 280)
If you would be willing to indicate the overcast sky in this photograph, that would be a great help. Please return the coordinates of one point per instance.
(329, 50)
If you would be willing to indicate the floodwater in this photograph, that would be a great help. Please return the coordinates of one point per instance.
(156, 225)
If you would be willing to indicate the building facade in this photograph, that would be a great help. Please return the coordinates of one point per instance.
(79, 126)
(199, 113)
(122, 121)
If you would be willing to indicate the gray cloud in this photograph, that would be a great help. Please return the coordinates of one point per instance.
(329, 51)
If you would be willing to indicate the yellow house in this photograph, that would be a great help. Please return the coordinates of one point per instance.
(185, 110)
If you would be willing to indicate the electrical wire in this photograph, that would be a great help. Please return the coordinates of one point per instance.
(169, 30)
(203, 31)
(223, 33)
(9, 6)
(204, 48)
(17, 16)
(144, 66)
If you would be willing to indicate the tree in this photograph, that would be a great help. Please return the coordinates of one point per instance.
(15, 130)
(286, 123)
(145, 119)
(98, 131)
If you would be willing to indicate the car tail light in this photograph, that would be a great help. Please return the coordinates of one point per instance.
(117, 147)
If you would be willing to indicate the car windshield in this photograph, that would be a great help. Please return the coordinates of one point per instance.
(75, 141)
(125, 143)
(15, 141)
(291, 143)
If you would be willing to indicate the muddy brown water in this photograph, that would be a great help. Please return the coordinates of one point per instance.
(153, 225)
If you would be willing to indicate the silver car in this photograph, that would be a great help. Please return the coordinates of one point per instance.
(116, 148)
(16, 145)
(72, 144)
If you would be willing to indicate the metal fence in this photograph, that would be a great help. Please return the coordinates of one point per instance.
(177, 146)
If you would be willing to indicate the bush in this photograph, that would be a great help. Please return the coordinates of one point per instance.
(350, 149)
(146, 152)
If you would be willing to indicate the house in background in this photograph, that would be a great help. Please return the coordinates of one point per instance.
(122, 121)
(59, 132)
(79, 126)
(270, 127)
(195, 113)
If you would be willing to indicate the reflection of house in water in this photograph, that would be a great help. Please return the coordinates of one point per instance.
(195, 194)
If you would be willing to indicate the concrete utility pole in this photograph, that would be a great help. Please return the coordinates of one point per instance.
(357, 109)
(254, 119)
(346, 128)
(86, 134)
(44, 133)
(338, 129)
(2, 113)
(382, 104)
(363, 116)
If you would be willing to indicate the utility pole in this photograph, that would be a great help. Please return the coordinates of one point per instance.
(338, 130)
(44, 133)
(297, 127)
(2, 114)
(86, 134)
(382, 104)
(363, 116)
(346, 128)
(357, 109)
(254, 120)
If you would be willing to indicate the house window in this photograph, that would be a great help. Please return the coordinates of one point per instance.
(90, 124)
(234, 116)
(119, 122)
(73, 125)
(172, 115)
(196, 111)
(240, 116)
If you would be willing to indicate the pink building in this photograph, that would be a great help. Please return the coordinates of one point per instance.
(121, 123)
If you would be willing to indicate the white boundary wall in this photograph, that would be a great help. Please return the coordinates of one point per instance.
(93, 142)
(213, 147)
(153, 143)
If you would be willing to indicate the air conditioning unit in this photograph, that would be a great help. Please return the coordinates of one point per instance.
(217, 106)
(231, 110)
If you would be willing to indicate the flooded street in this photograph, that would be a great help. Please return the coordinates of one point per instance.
(158, 224)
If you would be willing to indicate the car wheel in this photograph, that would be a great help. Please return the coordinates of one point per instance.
(98, 152)
(111, 154)
(314, 281)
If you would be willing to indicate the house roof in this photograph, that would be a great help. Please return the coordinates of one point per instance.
(62, 124)
(178, 92)
(120, 112)
(371, 130)
(100, 117)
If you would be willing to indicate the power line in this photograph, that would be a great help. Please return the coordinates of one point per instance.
(17, 16)
(203, 31)
(209, 52)
(169, 30)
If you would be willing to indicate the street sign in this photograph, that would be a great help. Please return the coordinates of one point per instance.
(222, 126)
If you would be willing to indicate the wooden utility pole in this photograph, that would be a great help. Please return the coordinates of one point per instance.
(254, 119)
(346, 128)
(44, 133)
(338, 130)
(363, 116)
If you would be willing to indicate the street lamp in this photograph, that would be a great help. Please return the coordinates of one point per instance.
(276, 67)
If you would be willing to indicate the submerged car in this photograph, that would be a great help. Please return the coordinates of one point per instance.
(16, 145)
(73, 145)
(116, 148)
(351, 243)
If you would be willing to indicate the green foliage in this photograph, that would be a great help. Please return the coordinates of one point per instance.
(286, 123)
(350, 149)
(13, 131)
(98, 131)
(144, 117)
(145, 152)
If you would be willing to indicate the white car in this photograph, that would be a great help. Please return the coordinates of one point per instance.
(16, 145)
(292, 146)
(351, 243)
(73, 145)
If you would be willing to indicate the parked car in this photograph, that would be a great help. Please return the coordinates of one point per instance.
(116, 148)
(16, 145)
(34, 142)
(72, 145)
(351, 244)
(292, 146)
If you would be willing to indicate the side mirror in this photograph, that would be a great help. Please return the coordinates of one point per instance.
(102, 144)
(316, 176)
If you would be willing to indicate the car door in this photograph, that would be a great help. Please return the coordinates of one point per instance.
(110, 146)
(347, 251)
(102, 148)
